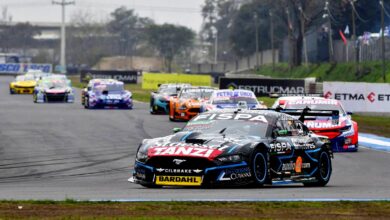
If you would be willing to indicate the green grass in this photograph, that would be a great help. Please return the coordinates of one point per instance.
(71, 209)
(366, 72)
(378, 125)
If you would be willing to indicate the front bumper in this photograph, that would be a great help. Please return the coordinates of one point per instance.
(55, 97)
(23, 90)
(112, 103)
(187, 114)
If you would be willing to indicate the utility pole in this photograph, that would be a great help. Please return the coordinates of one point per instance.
(216, 47)
(354, 31)
(302, 18)
(272, 40)
(257, 41)
(330, 39)
(63, 4)
(383, 40)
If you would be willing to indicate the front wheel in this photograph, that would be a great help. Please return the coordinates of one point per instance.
(259, 168)
(86, 102)
(35, 98)
(11, 91)
(324, 170)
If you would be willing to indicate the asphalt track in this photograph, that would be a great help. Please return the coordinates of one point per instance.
(60, 151)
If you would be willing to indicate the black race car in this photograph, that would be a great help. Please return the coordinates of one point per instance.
(233, 147)
(159, 100)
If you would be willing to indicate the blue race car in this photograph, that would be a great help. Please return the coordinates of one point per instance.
(108, 93)
(159, 101)
(232, 99)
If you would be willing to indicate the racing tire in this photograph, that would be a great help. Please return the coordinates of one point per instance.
(11, 91)
(324, 170)
(35, 98)
(172, 118)
(259, 168)
(86, 103)
(152, 107)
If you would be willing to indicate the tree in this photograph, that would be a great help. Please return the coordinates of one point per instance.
(170, 40)
(19, 36)
(129, 28)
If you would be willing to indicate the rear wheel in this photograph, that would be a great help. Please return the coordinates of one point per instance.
(35, 98)
(152, 107)
(324, 170)
(86, 102)
(11, 91)
(259, 167)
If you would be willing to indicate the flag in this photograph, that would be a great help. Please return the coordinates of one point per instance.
(343, 37)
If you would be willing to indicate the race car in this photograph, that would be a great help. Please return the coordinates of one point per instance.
(232, 99)
(343, 134)
(187, 104)
(159, 101)
(233, 148)
(53, 90)
(23, 84)
(107, 93)
(281, 101)
(92, 83)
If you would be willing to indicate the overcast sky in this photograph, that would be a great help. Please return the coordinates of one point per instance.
(183, 12)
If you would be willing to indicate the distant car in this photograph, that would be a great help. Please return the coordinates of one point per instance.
(92, 83)
(235, 148)
(343, 133)
(159, 101)
(23, 84)
(232, 99)
(281, 101)
(107, 93)
(53, 90)
(187, 104)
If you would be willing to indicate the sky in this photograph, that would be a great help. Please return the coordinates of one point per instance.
(180, 12)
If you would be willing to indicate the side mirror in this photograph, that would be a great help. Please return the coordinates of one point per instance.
(349, 113)
(175, 130)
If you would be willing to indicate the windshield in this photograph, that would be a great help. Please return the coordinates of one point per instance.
(24, 78)
(316, 107)
(111, 87)
(196, 93)
(229, 127)
(54, 84)
(168, 90)
(234, 100)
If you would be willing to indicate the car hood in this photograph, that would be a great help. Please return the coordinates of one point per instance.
(197, 144)
(30, 83)
(56, 90)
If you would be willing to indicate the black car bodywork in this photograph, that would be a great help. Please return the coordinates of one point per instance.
(227, 147)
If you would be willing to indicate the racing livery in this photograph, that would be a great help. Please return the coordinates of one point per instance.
(343, 135)
(187, 104)
(159, 101)
(232, 99)
(107, 93)
(53, 89)
(90, 85)
(235, 147)
(23, 84)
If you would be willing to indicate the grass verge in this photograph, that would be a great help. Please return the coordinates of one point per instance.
(193, 210)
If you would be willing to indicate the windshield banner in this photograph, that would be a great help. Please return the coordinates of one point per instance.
(129, 77)
(17, 68)
(360, 97)
(264, 87)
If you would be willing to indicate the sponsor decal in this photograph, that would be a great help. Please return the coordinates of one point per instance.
(24, 67)
(179, 180)
(179, 171)
(298, 165)
(232, 116)
(235, 174)
(184, 151)
(319, 124)
(303, 143)
(313, 102)
(234, 94)
(371, 97)
(178, 161)
(280, 147)
(124, 76)
(292, 166)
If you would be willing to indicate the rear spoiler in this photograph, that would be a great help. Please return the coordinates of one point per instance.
(307, 112)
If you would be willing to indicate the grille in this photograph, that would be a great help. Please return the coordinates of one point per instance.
(25, 87)
(190, 163)
(56, 97)
(195, 110)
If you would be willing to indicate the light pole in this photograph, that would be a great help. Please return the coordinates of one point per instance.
(330, 40)
(272, 40)
(383, 40)
(63, 4)
(216, 47)
(257, 40)
(302, 18)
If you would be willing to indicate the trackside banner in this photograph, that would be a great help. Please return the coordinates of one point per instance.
(17, 68)
(264, 87)
(129, 77)
(152, 80)
(360, 97)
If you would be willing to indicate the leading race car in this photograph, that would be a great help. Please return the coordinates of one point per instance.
(232, 99)
(228, 147)
(187, 104)
(108, 93)
(23, 84)
(53, 90)
(343, 135)
(159, 101)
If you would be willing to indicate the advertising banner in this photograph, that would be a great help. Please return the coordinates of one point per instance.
(360, 97)
(18, 68)
(264, 87)
(152, 80)
(129, 77)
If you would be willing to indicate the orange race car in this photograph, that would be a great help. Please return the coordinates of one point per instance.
(188, 102)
